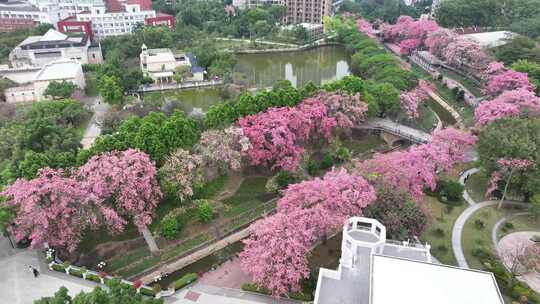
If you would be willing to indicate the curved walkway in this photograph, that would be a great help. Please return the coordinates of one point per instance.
(495, 229)
(457, 231)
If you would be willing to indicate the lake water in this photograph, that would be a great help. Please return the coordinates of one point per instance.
(318, 65)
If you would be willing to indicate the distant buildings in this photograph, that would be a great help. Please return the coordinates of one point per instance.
(60, 70)
(374, 270)
(20, 15)
(162, 64)
(313, 31)
(96, 18)
(37, 51)
(298, 11)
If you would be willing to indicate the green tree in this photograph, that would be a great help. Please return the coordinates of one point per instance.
(531, 68)
(181, 72)
(60, 90)
(31, 164)
(110, 89)
(385, 96)
(534, 207)
(117, 292)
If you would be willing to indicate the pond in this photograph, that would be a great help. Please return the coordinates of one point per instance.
(192, 101)
(319, 65)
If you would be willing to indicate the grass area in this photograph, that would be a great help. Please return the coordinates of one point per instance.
(476, 186)
(466, 82)
(364, 144)
(250, 194)
(439, 230)
(129, 258)
(91, 84)
(444, 115)
(465, 111)
(93, 238)
(212, 188)
(519, 223)
(477, 230)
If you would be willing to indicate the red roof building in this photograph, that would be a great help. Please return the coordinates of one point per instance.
(72, 25)
(161, 19)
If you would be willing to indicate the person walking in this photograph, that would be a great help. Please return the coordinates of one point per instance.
(34, 271)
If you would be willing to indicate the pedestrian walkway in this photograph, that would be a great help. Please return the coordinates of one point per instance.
(94, 126)
(400, 130)
(18, 285)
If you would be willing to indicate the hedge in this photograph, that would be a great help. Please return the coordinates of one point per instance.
(184, 281)
(59, 267)
(147, 292)
(76, 272)
(255, 288)
(93, 277)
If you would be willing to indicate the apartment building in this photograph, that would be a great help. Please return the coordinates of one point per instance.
(20, 15)
(298, 11)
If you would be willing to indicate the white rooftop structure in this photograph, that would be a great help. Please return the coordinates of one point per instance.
(491, 39)
(58, 70)
(374, 270)
(427, 283)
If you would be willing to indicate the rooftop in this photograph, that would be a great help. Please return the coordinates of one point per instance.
(426, 283)
(51, 39)
(17, 6)
(57, 70)
(374, 270)
(492, 39)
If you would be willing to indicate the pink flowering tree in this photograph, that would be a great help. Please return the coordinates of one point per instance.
(410, 34)
(507, 168)
(509, 104)
(466, 55)
(223, 148)
(365, 27)
(407, 46)
(493, 69)
(411, 100)
(438, 40)
(182, 173)
(415, 169)
(507, 81)
(276, 136)
(275, 255)
(127, 181)
(55, 209)
(347, 110)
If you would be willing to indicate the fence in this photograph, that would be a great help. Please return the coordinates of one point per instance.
(178, 86)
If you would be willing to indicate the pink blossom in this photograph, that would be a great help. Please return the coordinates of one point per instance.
(411, 100)
(507, 81)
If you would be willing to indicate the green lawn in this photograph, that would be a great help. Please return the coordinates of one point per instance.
(477, 230)
(476, 186)
(439, 230)
(250, 194)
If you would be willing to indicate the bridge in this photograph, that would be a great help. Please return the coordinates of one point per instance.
(396, 129)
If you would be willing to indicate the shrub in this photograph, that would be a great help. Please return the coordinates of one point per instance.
(482, 253)
(327, 161)
(312, 167)
(184, 281)
(442, 248)
(255, 288)
(343, 154)
(147, 292)
(452, 190)
(460, 96)
(172, 223)
(439, 232)
(284, 178)
(300, 296)
(156, 287)
(93, 277)
(508, 226)
(59, 267)
(479, 224)
(76, 272)
(205, 212)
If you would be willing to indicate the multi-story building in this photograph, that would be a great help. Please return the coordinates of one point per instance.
(37, 51)
(17, 15)
(298, 11)
(374, 270)
(60, 70)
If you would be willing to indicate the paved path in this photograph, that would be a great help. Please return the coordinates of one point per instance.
(495, 230)
(18, 285)
(462, 179)
(94, 126)
(195, 256)
(397, 129)
(438, 99)
(457, 231)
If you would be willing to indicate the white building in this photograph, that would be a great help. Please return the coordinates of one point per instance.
(71, 7)
(161, 64)
(374, 270)
(36, 51)
(60, 70)
(18, 14)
